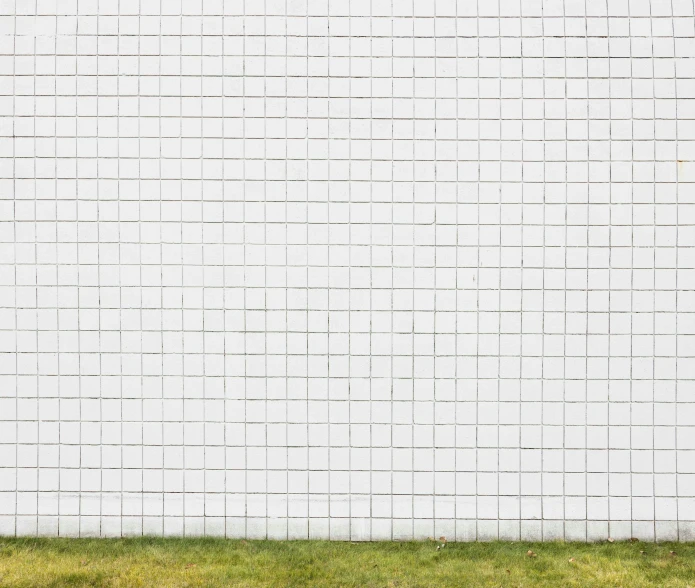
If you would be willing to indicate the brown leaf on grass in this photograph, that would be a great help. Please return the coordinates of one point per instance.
(672, 553)
(83, 562)
(634, 539)
(509, 571)
(531, 553)
(190, 565)
(572, 560)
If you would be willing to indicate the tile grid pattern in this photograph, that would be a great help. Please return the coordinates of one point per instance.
(347, 269)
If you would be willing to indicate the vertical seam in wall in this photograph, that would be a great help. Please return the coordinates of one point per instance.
(349, 294)
(413, 374)
(586, 285)
(456, 283)
(679, 532)
(203, 250)
(98, 274)
(610, 268)
(287, 271)
(244, 288)
(564, 306)
(306, 277)
(119, 493)
(653, 296)
(141, 392)
(543, 311)
(265, 257)
(477, 288)
(433, 410)
(307, 379)
(632, 276)
(36, 258)
(164, 457)
(56, 187)
(180, 432)
(393, 291)
(500, 246)
(520, 461)
(371, 266)
(15, 276)
(79, 277)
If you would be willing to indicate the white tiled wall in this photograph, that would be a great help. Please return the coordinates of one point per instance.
(347, 269)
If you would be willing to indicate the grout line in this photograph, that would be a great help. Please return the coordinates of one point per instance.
(15, 282)
(564, 306)
(477, 298)
(499, 304)
(244, 248)
(610, 267)
(521, 314)
(457, 375)
(586, 294)
(265, 266)
(653, 306)
(632, 263)
(543, 290)
(79, 332)
(162, 282)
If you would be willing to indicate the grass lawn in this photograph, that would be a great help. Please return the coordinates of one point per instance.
(217, 562)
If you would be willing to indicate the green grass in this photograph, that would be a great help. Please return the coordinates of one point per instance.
(217, 562)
